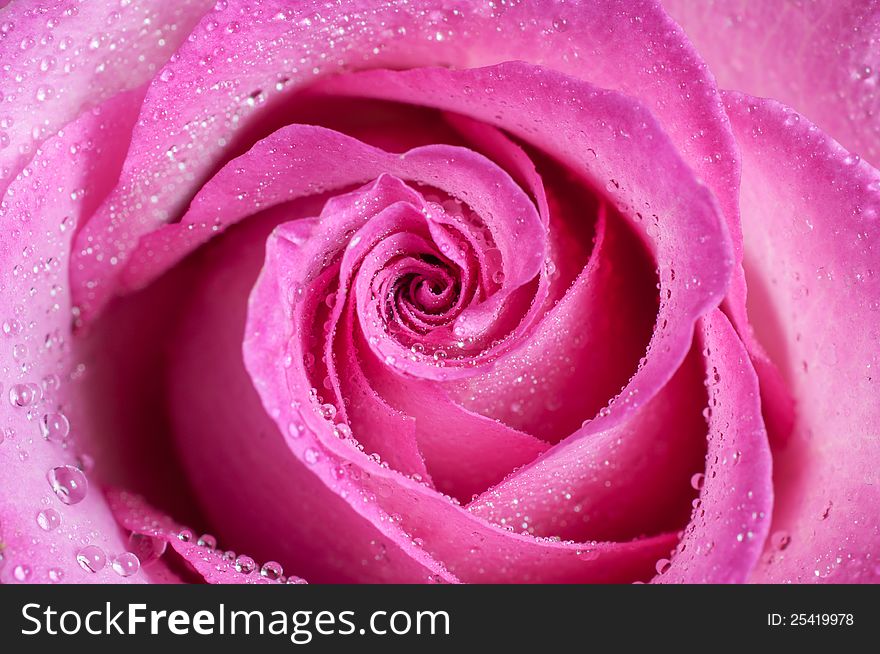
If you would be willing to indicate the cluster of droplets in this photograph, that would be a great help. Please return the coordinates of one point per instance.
(240, 563)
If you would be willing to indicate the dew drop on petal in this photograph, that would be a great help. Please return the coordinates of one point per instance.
(126, 564)
(22, 395)
(208, 541)
(55, 427)
(272, 570)
(91, 558)
(698, 480)
(245, 564)
(68, 483)
(48, 519)
(146, 548)
(21, 572)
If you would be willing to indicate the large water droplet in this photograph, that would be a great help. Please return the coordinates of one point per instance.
(22, 395)
(126, 564)
(146, 548)
(91, 558)
(272, 570)
(207, 540)
(69, 483)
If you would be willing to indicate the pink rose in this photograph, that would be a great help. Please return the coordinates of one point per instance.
(439, 291)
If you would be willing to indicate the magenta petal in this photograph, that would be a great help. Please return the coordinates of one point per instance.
(137, 517)
(820, 58)
(730, 523)
(63, 58)
(810, 216)
(461, 545)
(582, 351)
(255, 481)
(602, 41)
(692, 279)
(633, 478)
(39, 212)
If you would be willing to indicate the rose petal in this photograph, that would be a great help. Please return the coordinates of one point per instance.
(730, 524)
(631, 479)
(810, 213)
(466, 545)
(170, 159)
(261, 498)
(821, 58)
(64, 58)
(583, 350)
(68, 176)
(140, 518)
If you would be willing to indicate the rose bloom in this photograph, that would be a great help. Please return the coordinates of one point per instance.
(439, 291)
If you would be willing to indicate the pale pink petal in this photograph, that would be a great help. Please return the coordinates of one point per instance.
(810, 213)
(731, 518)
(821, 58)
(68, 176)
(584, 349)
(61, 58)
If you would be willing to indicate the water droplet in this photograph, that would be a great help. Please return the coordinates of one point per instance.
(560, 24)
(328, 411)
(11, 327)
(68, 483)
(22, 395)
(91, 558)
(245, 564)
(272, 570)
(55, 575)
(207, 540)
(185, 535)
(126, 564)
(146, 548)
(48, 519)
(698, 480)
(55, 427)
(662, 566)
(311, 456)
(21, 572)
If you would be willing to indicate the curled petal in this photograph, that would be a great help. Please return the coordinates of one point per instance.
(160, 531)
(44, 514)
(810, 211)
(731, 518)
(600, 41)
(821, 58)
(71, 57)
